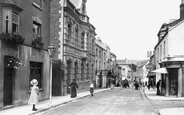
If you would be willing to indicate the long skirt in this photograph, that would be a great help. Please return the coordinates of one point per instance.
(73, 92)
(91, 91)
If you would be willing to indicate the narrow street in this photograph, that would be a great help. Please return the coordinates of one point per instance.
(114, 102)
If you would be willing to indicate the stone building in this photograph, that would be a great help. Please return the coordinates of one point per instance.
(75, 36)
(24, 38)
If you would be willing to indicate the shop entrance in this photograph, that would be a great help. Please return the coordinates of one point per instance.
(173, 82)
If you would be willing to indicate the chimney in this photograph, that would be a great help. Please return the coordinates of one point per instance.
(182, 9)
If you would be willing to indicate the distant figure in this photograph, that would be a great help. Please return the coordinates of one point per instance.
(112, 84)
(91, 88)
(136, 84)
(158, 87)
(33, 99)
(73, 87)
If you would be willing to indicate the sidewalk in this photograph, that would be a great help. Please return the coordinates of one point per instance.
(44, 105)
(151, 95)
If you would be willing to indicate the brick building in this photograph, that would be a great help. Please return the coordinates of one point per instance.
(75, 36)
(24, 38)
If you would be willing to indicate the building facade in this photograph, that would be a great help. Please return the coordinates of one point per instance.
(151, 75)
(24, 39)
(101, 63)
(76, 38)
(170, 56)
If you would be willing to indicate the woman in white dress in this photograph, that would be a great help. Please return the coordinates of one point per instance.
(33, 99)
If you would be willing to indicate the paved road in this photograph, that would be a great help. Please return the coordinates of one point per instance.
(113, 102)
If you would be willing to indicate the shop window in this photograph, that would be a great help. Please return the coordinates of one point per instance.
(36, 72)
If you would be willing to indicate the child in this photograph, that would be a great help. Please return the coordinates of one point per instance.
(91, 88)
(33, 99)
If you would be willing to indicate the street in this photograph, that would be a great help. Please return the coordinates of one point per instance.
(114, 102)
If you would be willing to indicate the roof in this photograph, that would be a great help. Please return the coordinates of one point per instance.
(76, 3)
(127, 61)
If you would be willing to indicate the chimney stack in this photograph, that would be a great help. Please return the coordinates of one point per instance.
(182, 9)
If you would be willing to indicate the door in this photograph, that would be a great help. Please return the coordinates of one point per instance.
(8, 83)
(173, 82)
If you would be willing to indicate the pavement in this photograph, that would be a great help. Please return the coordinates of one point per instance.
(151, 95)
(61, 100)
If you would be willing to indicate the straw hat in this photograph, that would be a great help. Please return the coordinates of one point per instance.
(34, 82)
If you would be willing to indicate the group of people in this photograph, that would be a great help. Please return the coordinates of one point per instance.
(34, 92)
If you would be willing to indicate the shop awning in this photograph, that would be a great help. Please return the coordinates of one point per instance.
(160, 70)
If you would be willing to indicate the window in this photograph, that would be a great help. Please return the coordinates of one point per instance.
(82, 40)
(96, 52)
(164, 50)
(11, 22)
(36, 72)
(69, 32)
(104, 56)
(36, 29)
(100, 54)
(76, 37)
(38, 3)
(14, 23)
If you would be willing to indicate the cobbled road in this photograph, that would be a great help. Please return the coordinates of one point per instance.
(114, 102)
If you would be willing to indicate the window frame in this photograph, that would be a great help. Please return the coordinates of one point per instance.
(34, 66)
(40, 29)
(8, 20)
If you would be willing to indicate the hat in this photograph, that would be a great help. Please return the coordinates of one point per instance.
(34, 82)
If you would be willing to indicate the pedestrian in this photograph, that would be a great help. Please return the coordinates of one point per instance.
(136, 85)
(33, 99)
(91, 88)
(74, 88)
(158, 87)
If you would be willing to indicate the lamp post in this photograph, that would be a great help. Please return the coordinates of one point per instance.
(51, 50)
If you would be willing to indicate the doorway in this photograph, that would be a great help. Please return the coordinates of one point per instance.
(173, 82)
(8, 83)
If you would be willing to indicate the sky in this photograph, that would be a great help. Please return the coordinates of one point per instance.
(130, 27)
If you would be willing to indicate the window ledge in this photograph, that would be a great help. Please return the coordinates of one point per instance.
(37, 6)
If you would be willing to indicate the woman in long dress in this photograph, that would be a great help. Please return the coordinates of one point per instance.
(73, 87)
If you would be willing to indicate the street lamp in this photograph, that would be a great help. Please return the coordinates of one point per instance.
(51, 50)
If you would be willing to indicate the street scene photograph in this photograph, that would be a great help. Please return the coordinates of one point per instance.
(91, 57)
